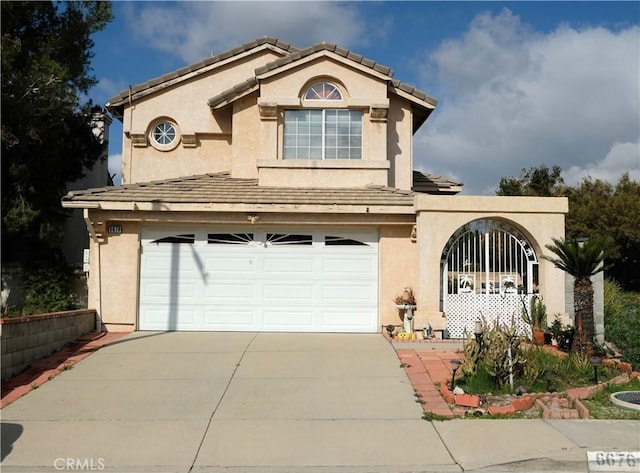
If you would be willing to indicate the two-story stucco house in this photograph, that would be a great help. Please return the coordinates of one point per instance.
(271, 188)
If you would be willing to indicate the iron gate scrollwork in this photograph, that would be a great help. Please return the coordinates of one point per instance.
(490, 271)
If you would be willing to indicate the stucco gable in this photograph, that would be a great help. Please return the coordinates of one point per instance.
(116, 104)
(295, 59)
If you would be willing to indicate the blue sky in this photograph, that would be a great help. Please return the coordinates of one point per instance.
(519, 84)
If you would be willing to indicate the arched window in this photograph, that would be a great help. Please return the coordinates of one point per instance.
(323, 91)
(323, 133)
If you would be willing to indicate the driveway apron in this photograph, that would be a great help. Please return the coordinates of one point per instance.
(210, 402)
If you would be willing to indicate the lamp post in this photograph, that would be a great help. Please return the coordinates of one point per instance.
(390, 328)
(456, 364)
(595, 362)
(478, 331)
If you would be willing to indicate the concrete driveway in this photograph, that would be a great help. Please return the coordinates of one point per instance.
(233, 402)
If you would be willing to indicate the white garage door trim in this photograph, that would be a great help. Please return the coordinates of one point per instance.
(259, 279)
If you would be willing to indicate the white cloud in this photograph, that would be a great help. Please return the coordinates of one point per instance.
(512, 98)
(193, 30)
(621, 158)
(115, 167)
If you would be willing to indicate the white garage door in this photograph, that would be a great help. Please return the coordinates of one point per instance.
(289, 280)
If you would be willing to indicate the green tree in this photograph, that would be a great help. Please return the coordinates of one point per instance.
(536, 181)
(601, 210)
(581, 260)
(47, 139)
(597, 209)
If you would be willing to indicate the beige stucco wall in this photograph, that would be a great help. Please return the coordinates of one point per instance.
(400, 144)
(113, 275)
(186, 104)
(398, 265)
(236, 138)
(538, 218)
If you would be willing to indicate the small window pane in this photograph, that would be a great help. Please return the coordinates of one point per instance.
(323, 91)
(289, 239)
(186, 238)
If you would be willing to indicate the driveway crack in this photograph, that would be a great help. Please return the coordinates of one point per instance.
(215, 409)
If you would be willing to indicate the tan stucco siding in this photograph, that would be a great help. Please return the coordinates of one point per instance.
(213, 154)
(186, 104)
(399, 144)
(245, 138)
(398, 265)
(113, 277)
(539, 219)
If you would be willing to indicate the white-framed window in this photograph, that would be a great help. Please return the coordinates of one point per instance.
(164, 135)
(323, 91)
(322, 134)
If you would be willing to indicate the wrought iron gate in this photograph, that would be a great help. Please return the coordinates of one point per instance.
(490, 271)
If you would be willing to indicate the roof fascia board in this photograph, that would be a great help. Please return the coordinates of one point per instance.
(244, 93)
(257, 207)
(429, 104)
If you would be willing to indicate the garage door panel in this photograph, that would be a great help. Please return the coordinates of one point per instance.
(288, 318)
(348, 292)
(348, 264)
(287, 265)
(170, 292)
(170, 317)
(230, 315)
(309, 281)
(230, 290)
(287, 293)
(240, 264)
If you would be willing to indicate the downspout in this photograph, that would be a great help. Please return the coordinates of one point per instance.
(94, 237)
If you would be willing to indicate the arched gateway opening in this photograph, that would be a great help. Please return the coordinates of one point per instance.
(489, 270)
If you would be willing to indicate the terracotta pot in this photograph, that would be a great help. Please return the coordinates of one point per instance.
(538, 337)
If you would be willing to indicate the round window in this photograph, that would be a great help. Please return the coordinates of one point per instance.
(164, 133)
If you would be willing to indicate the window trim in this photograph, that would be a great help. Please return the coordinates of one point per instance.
(164, 146)
(324, 135)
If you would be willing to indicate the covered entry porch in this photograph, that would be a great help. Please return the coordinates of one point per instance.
(482, 257)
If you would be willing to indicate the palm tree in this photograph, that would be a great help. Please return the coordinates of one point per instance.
(581, 260)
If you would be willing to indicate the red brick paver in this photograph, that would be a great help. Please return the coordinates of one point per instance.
(425, 369)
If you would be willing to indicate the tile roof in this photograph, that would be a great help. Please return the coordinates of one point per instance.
(222, 189)
(432, 184)
(237, 90)
(292, 54)
(124, 95)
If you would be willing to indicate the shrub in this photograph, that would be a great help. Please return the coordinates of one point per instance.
(46, 287)
(622, 321)
(491, 357)
(624, 332)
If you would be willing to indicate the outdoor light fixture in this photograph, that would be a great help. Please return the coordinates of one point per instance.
(390, 329)
(456, 364)
(595, 362)
(478, 331)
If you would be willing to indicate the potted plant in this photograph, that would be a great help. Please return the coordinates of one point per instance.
(406, 303)
(562, 334)
(537, 319)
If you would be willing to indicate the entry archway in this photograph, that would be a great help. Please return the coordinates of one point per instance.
(489, 270)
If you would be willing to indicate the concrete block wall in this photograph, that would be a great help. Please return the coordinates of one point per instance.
(25, 339)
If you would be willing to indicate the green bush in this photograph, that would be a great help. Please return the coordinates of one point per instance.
(622, 322)
(46, 287)
(624, 332)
